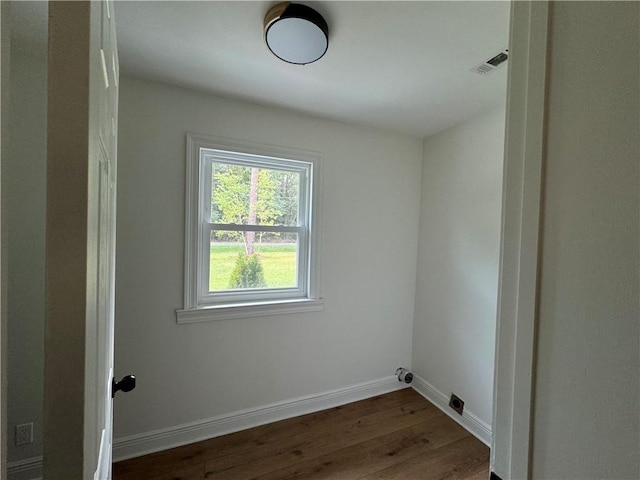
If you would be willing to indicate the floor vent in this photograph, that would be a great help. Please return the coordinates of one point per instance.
(493, 63)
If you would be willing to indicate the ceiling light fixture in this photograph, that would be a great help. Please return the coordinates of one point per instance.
(296, 33)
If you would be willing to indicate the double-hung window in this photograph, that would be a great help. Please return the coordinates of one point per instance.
(250, 230)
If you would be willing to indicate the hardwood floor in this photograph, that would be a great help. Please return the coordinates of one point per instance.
(398, 436)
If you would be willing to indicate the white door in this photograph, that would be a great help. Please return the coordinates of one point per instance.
(81, 194)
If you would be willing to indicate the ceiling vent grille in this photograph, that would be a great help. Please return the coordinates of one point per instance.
(493, 63)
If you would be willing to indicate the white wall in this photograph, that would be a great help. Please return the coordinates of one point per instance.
(23, 191)
(369, 244)
(456, 291)
(586, 409)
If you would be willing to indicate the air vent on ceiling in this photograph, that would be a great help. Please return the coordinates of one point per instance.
(493, 63)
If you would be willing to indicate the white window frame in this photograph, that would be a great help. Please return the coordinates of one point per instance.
(202, 305)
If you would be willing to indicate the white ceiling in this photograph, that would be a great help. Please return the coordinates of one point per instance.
(402, 66)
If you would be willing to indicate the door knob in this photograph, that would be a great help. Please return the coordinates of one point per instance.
(127, 384)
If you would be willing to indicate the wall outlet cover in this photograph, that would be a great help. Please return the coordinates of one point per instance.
(24, 434)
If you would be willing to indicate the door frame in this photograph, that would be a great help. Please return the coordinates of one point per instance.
(66, 255)
(4, 94)
(522, 196)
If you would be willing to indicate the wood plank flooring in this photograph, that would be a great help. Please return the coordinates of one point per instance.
(397, 436)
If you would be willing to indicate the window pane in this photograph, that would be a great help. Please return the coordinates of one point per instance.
(272, 262)
(254, 196)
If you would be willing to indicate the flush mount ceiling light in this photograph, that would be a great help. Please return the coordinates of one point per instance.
(296, 33)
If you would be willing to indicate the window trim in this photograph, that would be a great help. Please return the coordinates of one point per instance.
(194, 309)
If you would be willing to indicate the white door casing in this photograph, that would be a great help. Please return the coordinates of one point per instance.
(4, 99)
(80, 257)
(519, 257)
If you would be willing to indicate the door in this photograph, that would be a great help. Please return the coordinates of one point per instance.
(80, 266)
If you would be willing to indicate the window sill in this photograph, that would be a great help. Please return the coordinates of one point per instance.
(247, 310)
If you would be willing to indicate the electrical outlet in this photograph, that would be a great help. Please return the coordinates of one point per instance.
(24, 434)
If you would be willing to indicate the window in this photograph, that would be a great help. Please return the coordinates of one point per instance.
(250, 237)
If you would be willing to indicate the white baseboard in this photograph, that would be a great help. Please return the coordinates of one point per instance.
(163, 439)
(27, 469)
(467, 420)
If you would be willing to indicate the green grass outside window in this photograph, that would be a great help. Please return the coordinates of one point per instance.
(278, 261)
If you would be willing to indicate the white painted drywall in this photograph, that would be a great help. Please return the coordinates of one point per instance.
(190, 372)
(23, 191)
(456, 290)
(586, 409)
